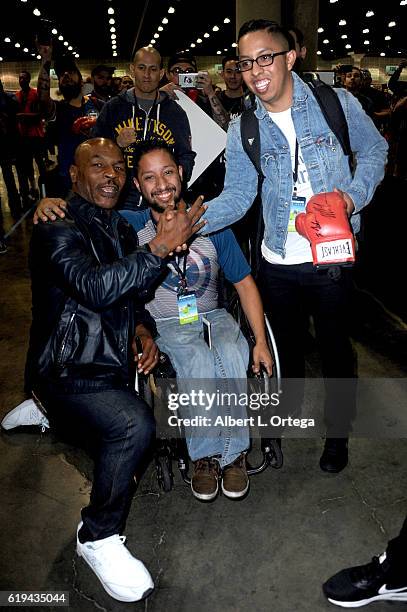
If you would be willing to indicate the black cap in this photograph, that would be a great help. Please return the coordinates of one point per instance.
(182, 57)
(102, 68)
(65, 63)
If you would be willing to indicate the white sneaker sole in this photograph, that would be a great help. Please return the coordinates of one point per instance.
(205, 496)
(364, 602)
(235, 494)
(144, 591)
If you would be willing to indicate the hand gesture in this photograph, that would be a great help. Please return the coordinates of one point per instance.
(49, 209)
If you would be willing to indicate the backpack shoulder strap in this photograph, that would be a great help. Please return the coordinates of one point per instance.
(333, 112)
(250, 135)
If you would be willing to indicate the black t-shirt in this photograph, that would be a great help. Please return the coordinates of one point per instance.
(234, 106)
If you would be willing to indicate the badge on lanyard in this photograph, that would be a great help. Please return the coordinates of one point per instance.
(187, 304)
(297, 202)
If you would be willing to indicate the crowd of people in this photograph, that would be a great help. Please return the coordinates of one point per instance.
(125, 269)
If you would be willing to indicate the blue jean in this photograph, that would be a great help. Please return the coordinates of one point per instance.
(117, 428)
(228, 361)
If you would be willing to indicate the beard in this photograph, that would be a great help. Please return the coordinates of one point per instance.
(160, 209)
(70, 90)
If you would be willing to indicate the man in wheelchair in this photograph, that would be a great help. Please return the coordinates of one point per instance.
(202, 340)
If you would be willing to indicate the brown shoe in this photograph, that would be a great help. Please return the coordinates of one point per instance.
(205, 479)
(235, 480)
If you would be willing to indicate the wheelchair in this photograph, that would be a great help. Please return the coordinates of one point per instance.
(174, 450)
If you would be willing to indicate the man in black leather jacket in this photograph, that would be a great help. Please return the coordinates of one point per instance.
(88, 276)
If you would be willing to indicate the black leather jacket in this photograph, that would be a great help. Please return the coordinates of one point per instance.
(88, 279)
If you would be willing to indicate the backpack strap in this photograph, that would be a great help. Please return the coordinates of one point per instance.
(332, 111)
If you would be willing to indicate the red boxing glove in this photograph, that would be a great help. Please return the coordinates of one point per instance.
(83, 125)
(326, 226)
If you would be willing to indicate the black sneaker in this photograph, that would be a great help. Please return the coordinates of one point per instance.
(335, 455)
(357, 586)
(205, 479)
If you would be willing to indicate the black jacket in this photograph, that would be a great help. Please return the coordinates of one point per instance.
(88, 276)
(166, 121)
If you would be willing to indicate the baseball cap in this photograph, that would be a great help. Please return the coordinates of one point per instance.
(182, 57)
(65, 64)
(102, 68)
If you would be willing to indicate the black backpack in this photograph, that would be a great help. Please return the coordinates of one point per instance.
(249, 131)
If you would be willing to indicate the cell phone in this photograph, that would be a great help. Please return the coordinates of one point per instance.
(187, 80)
(207, 333)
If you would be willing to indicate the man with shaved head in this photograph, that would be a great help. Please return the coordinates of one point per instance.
(145, 113)
(89, 277)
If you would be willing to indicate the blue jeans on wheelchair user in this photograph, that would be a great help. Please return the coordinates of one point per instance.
(224, 368)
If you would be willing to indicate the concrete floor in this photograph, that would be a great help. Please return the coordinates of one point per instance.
(271, 551)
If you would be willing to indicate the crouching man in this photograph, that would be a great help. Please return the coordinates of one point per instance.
(88, 279)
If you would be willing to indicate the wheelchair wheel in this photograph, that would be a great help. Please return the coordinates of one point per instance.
(165, 476)
(273, 454)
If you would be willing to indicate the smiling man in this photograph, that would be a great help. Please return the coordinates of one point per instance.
(300, 157)
(89, 278)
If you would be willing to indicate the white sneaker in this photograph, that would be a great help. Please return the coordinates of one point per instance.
(122, 576)
(26, 413)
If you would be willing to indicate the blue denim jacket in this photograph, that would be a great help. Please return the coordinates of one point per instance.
(326, 163)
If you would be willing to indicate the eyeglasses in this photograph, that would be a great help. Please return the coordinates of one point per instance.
(178, 70)
(262, 61)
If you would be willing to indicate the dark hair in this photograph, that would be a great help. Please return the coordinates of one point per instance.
(27, 73)
(102, 68)
(146, 146)
(228, 58)
(186, 57)
(298, 34)
(272, 27)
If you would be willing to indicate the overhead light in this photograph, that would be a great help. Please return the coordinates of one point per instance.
(325, 41)
(366, 42)
(369, 14)
(25, 50)
(156, 35)
(66, 43)
(112, 21)
(215, 28)
(342, 22)
(171, 10)
(76, 55)
(402, 3)
(382, 54)
(319, 52)
(113, 29)
(392, 24)
(70, 48)
(320, 30)
(114, 54)
(365, 31)
(152, 41)
(17, 45)
(348, 46)
(1, 59)
(113, 36)
(225, 50)
(36, 12)
(234, 45)
(192, 45)
(110, 11)
(218, 52)
(60, 37)
(7, 39)
(160, 28)
(186, 49)
(54, 31)
(206, 35)
(199, 40)
(165, 20)
(226, 20)
(114, 46)
(38, 56)
(387, 38)
(344, 36)
(333, 1)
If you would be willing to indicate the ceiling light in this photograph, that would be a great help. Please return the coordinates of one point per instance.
(392, 24)
(218, 52)
(36, 12)
(382, 54)
(402, 3)
(165, 20)
(206, 35)
(1, 59)
(319, 52)
(215, 28)
(333, 1)
(365, 31)
(114, 54)
(38, 56)
(344, 36)
(186, 49)
(199, 40)
(25, 50)
(17, 45)
(113, 36)
(156, 35)
(369, 14)
(152, 41)
(171, 9)
(320, 30)
(114, 46)
(76, 55)
(387, 38)
(348, 46)
(192, 45)
(110, 11)
(66, 43)
(325, 41)
(112, 21)
(7, 39)
(226, 20)
(54, 31)
(113, 29)
(160, 28)
(60, 37)
(234, 45)
(366, 42)
(342, 22)
(70, 48)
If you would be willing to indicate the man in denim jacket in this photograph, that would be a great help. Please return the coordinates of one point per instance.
(292, 288)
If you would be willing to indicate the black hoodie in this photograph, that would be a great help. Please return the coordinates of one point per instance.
(166, 121)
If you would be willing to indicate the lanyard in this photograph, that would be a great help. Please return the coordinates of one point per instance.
(295, 171)
(182, 285)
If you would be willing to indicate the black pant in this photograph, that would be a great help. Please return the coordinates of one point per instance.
(396, 553)
(290, 294)
(117, 428)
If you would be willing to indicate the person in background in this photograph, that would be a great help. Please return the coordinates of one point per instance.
(232, 98)
(102, 83)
